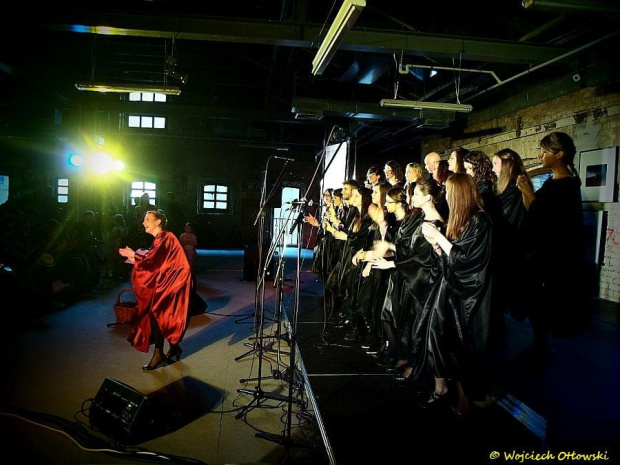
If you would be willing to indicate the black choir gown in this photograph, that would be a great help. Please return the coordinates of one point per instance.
(455, 319)
(507, 272)
(395, 299)
(553, 247)
(348, 274)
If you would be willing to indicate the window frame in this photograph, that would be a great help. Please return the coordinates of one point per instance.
(202, 209)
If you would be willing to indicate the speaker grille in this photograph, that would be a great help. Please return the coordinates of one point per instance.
(118, 410)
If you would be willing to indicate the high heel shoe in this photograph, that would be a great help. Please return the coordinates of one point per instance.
(174, 353)
(435, 400)
(162, 362)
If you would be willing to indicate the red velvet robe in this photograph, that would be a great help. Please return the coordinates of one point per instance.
(161, 280)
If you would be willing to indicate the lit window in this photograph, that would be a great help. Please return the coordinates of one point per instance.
(146, 97)
(146, 122)
(134, 121)
(138, 188)
(62, 190)
(215, 198)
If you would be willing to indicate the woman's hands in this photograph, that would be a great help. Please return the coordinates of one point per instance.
(128, 253)
(340, 235)
(525, 187)
(433, 235)
(383, 264)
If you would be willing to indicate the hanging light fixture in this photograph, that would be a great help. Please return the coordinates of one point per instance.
(126, 88)
(346, 17)
(391, 103)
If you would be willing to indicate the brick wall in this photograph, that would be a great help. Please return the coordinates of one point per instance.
(610, 271)
(590, 116)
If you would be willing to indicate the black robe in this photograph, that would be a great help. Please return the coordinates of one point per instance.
(507, 272)
(373, 287)
(348, 275)
(552, 245)
(455, 318)
(397, 295)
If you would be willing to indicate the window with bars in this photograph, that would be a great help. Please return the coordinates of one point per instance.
(62, 190)
(138, 188)
(146, 122)
(215, 198)
(146, 97)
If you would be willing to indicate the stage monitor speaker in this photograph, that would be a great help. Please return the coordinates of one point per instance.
(120, 412)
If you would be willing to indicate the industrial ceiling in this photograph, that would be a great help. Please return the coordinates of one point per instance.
(244, 67)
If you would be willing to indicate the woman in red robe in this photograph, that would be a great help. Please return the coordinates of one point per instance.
(161, 279)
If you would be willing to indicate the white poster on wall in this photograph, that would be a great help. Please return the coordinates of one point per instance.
(597, 170)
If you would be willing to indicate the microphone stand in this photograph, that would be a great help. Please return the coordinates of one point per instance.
(260, 219)
(258, 394)
(279, 283)
(287, 440)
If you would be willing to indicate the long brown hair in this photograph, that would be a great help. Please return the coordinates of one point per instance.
(366, 195)
(512, 167)
(482, 166)
(463, 201)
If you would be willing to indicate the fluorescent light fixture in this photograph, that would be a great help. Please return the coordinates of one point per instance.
(125, 88)
(425, 105)
(346, 17)
(605, 6)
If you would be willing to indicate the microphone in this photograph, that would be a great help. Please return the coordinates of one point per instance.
(283, 158)
(302, 212)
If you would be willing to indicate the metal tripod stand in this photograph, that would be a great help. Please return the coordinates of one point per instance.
(257, 393)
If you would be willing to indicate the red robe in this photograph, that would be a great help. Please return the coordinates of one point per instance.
(161, 280)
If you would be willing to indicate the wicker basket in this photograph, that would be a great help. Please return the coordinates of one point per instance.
(125, 310)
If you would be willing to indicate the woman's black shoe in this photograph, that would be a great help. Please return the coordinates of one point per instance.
(160, 363)
(400, 377)
(435, 400)
(174, 352)
(374, 348)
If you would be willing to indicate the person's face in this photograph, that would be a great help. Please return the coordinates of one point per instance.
(469, 169)
(389, 172)
(372, 178)
(452, 162)
(410, 174)
(419, 199)
(548, 158)
(327, 198)
(356, 199)
(376, 195)
(346, 192)
(431, 162)
(337, 201)
(390, 204)
(188, 228)
(150, 223)
(497, 165)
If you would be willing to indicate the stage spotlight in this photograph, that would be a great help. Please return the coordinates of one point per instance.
(76, 160)
(101, 163)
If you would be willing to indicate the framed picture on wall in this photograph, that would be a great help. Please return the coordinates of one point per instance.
(597, 170)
